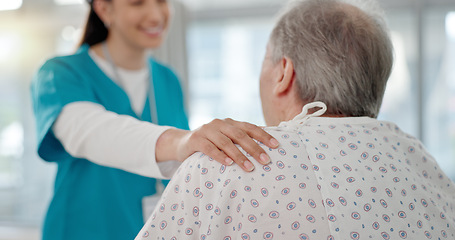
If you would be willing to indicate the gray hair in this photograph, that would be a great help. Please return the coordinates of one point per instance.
(342, 53)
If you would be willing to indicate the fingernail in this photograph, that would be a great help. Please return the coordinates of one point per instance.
(274, 142)
(248, 165)
(229, 161)
(264, 158)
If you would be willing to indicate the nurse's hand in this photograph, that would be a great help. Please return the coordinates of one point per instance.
(216, 139)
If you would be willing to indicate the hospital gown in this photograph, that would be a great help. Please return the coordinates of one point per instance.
(331, 178)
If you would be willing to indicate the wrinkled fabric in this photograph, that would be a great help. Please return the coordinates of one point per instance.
(331, 178)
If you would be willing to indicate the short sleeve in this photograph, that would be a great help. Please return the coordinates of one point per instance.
(56, 84)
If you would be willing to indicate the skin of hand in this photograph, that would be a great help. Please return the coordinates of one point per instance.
(217, 139)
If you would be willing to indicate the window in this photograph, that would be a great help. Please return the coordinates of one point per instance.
(439, 85)
(400, 103)
(225, 59)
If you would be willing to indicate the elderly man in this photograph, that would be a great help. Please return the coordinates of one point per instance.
(339, 173)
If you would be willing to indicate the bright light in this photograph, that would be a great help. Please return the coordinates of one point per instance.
(68, 32)
(71, 34)
(450, 25)
(10, 43)
(12, 140)
(68, 2)
(10, 4)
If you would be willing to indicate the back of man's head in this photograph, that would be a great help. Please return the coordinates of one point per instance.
(341, 52)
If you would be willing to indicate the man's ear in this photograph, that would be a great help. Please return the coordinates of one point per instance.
(286, 80)
(102, 9)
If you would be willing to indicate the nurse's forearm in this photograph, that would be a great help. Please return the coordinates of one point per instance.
(87, 130)
(168, 144)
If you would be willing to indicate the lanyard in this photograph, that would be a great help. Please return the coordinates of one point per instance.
(117, 79)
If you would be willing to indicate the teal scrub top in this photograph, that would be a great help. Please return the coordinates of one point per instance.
(92, 201)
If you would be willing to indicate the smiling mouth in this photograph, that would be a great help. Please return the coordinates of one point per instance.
(154, 31)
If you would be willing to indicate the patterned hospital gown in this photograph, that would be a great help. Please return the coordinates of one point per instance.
(331, 178)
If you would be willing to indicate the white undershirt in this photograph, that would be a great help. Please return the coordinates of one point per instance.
(133, 82)
(87, 130)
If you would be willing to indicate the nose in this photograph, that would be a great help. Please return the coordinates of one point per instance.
(157, 12)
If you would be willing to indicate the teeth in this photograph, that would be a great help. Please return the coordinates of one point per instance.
(154, 30)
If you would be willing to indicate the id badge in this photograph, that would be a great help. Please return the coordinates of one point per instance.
(148, 205)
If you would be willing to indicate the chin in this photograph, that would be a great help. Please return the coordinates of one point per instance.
(152, 44)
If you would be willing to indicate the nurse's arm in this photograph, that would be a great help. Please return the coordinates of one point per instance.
(216, 139)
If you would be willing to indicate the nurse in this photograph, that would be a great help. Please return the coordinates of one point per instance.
(114, 122)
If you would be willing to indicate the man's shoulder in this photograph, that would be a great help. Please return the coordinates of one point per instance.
(290, 152)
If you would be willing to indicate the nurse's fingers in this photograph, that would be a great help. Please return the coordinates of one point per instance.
(242, 133)
(217, 139)
(210, 149)
(177, 144)
(240, 137)
(225, 144)
(255, 132)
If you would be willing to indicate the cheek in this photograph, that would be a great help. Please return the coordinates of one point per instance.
(166, 11)
(127, 20)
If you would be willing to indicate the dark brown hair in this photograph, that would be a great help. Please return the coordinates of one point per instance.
(95, 30)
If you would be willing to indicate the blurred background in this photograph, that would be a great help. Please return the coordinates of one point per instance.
(216, 47)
